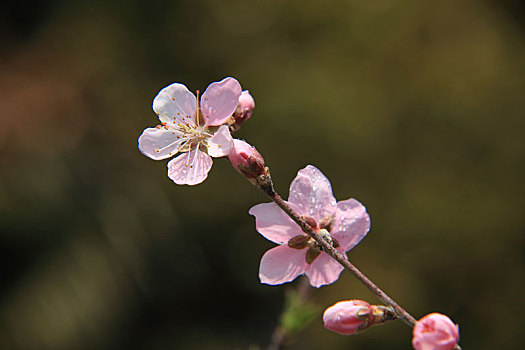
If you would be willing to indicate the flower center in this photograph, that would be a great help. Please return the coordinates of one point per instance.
(195, 135)
(192, 135)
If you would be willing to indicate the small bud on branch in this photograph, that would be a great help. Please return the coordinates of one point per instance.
(354, 316)
(247, 160)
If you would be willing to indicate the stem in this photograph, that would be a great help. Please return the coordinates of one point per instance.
(280, 334)
(265, 184)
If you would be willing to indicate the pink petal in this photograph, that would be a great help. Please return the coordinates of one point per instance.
(324, 270)
(219, 101)
(312, 193)
(281, 264)
(221, 143)
(160, 143)
(190, 168)
(435, 332)
(351, 223)
(175, 102)
(273, 223)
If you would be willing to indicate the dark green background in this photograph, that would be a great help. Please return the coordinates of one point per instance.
(415, 108)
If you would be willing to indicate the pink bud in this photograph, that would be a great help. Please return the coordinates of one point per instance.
(246, 101)
(435, 332)
(347, 317)
(246, 159)
(244, 109)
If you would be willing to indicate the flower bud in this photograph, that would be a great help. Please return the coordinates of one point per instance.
(435, 332)
(243, 112)
(246, 159)
(347, 317)
(354, 316)
(246, 103)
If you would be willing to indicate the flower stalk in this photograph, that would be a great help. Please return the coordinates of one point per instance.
(298, 313)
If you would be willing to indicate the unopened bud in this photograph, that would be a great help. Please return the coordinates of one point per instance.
(435, 332)
(246, 104)
(354, 316)
(243, 112)
(347, 317)
(246, 159)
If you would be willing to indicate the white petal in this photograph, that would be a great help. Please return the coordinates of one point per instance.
(175, 103)
(190, 168)
(160, 143)
(221, 143)
(312, 193)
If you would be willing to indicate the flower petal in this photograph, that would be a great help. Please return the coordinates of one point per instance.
(160, 143)
(190, 168)
(175, 103)
(351, 223)
(219, 101)
(273, 223)
(281, 264)
(221, 143)
(324, 270)
(312, 193)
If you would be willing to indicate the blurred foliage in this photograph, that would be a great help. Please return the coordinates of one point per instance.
(298, 313)
(415, 108)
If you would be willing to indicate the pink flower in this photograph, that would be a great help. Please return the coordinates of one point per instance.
(193, 128)
(343, 223)
(435, 332)
(347, 317)
(246, 159)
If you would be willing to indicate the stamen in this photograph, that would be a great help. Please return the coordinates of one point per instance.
(173, 143)
(187, 159)
(197, 110)
(195, 156)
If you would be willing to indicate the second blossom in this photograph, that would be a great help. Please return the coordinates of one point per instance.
(343, 224)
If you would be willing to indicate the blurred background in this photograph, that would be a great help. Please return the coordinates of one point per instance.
(415, 108)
